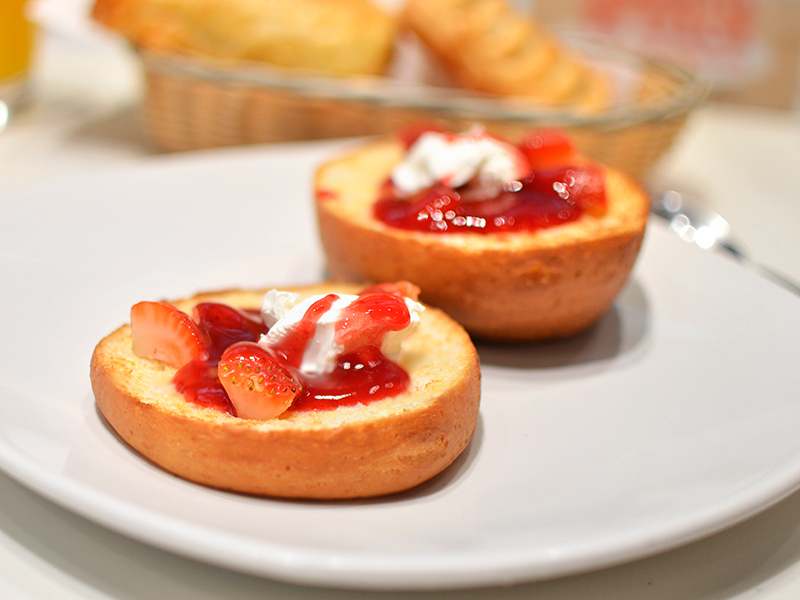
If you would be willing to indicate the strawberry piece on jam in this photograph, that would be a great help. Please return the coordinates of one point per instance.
(258, 385)
(547, 148)
(226, 325)
(369, 318)
(162, 332)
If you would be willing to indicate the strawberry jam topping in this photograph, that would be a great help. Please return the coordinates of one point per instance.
(557, 189)
(198, 382)
(361, 374)
(359, 377)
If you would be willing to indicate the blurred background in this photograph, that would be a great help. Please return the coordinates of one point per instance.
(748, 49)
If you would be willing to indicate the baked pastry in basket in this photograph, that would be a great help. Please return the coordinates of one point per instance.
(334, 37)
(182, 384)
(515, 242)
(487, 46)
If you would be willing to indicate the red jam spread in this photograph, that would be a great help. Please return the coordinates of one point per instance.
(557, 189)
(361, 375)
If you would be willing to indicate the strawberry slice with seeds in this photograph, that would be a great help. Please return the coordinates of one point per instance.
(162, 332)
(258, 385)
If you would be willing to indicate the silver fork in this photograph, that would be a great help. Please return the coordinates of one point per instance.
(695, 223)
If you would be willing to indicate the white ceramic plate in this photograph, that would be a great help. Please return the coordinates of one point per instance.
(675, 417)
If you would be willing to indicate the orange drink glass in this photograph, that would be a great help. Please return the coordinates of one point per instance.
(16, 52)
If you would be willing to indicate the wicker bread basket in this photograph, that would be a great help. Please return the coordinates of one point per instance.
(193, 104)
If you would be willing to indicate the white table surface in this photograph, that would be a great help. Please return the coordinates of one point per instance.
(83, 119)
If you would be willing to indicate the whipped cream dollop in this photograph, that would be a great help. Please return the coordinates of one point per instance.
(456, 159)
(282, 311)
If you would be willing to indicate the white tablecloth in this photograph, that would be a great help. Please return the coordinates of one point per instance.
(83, 119)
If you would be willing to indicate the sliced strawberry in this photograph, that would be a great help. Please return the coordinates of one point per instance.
(162, 332)
(547, 148)
(368, 319)
(258, 386)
